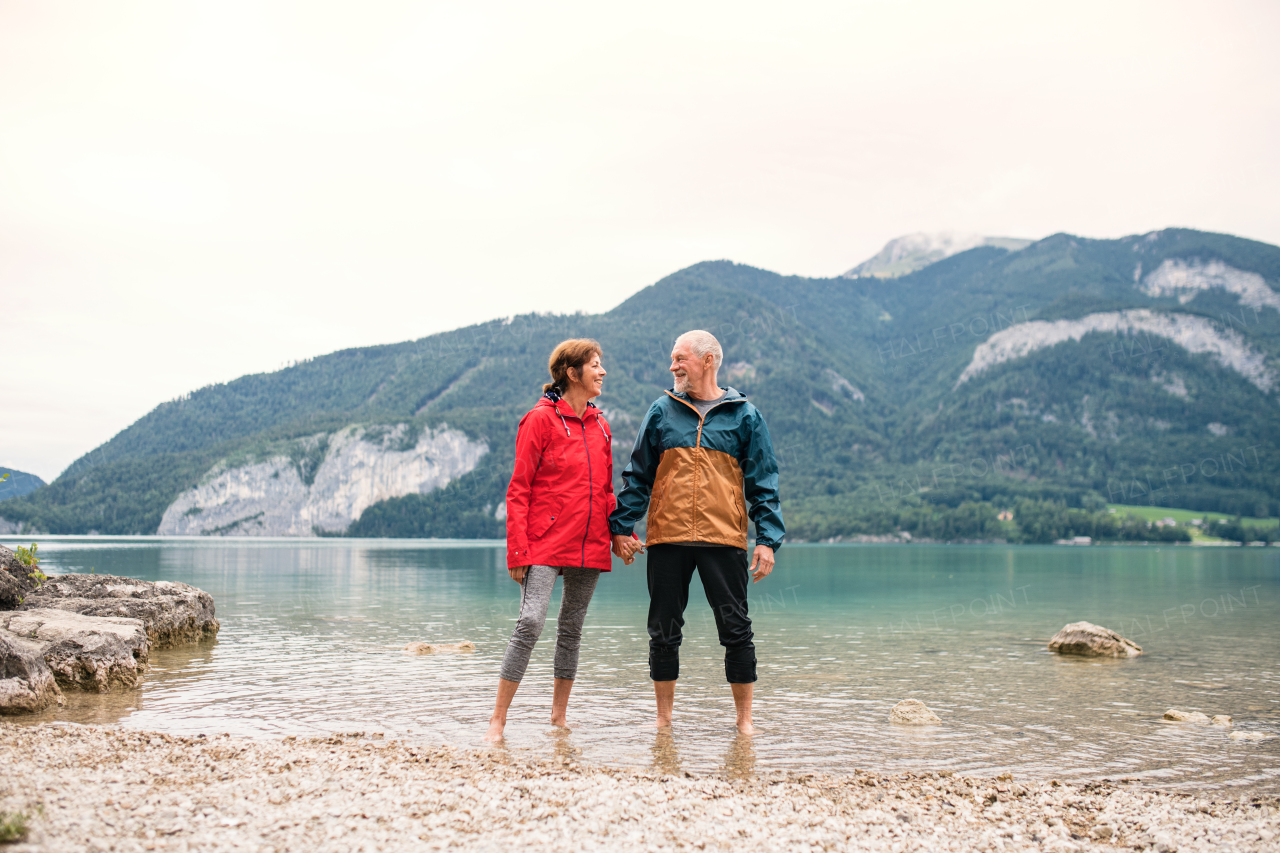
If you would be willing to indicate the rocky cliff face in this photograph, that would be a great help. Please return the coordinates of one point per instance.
(1193, 333)
(358, 467)
(1186, 280)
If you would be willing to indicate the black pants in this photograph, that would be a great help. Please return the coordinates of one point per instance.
(724, 573)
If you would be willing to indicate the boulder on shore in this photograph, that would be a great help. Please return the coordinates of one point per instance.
(94, 653)
(26, 684)
(171, 613)
(913, 712)
(1085, 638)
(15, 580)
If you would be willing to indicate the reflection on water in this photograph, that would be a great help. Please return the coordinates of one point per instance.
(312, 631)
(666, 757)
(740, 760)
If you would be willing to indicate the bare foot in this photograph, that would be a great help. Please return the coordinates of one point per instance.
(495, 731)
(663, 723)
(560, 723)
(745, 728)
(498, 720)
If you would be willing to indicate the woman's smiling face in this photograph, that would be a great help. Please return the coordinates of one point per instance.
(590, 377)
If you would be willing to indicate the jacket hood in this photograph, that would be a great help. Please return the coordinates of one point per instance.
(560, 407)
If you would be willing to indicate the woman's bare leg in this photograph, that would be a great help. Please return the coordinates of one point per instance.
(560, 702)
(506, 692)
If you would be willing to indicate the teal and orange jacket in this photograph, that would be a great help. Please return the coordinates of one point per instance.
(697, 476)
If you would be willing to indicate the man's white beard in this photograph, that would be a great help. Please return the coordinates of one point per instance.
(682, 384)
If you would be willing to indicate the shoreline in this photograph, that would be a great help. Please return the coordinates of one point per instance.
(104, 788)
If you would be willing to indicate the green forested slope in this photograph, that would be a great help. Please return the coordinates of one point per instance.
(856, 376)
(17, 483)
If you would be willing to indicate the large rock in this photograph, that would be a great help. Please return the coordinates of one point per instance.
(1221, 720)
(94, 653)
(913, 712)
(1085, 638)
(26, 684)
(172, 613)
(1177, 716)
(15, 585)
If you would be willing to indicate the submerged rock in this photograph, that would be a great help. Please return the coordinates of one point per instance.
(94, 653)
(1085, 638)
(172, 613)
(913, 712)
(26, 684)
(1196, 717)
(1222, 720)
(15, 581)
(1250, 736)
(437, 648)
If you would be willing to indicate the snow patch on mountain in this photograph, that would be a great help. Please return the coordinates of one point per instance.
(1192, 333)
(1186, 279)
(360, 467)
(915, 251)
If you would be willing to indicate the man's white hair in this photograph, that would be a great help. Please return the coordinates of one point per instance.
(703, 343)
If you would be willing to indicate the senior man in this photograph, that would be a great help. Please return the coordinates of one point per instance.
(702, 464)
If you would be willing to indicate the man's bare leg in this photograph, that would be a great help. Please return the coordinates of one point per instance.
(560, 702)
(742, 701)
(665, 693)
(506, 692)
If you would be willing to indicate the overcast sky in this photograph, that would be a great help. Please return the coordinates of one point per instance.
(194, 191)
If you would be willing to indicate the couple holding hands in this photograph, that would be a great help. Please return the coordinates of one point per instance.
(702, 465)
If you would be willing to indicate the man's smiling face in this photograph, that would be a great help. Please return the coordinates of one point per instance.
(686, 367)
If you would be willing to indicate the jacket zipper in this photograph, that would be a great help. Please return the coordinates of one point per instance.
(702, 419)
(582, 561)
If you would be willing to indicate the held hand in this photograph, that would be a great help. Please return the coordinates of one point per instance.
(761, 563)
(517, 573)
(626, 547)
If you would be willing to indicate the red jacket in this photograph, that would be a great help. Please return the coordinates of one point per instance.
(561, 492)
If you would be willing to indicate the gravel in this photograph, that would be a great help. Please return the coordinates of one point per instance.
(95, 788)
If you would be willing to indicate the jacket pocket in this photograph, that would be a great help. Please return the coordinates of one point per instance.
(657, 500)
(542, 520)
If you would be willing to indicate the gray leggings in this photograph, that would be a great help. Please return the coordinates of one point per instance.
(535, 596)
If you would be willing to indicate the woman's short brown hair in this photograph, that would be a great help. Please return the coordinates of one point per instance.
(571, 353)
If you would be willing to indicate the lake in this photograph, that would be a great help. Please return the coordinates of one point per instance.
(311, 632)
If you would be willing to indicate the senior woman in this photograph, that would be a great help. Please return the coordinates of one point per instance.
(558, 507)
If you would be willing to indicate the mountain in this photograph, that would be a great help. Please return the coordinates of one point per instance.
(912, 252)
(1047, 381)
(18, 483)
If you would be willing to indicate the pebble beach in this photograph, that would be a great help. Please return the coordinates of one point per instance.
(98, 789)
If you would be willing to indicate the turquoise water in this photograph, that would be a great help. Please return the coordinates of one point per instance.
(311, 632)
